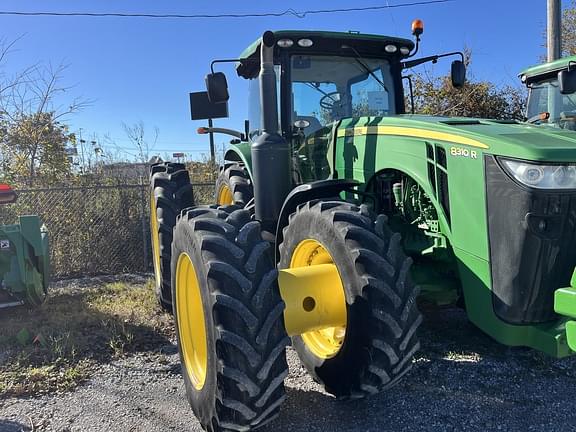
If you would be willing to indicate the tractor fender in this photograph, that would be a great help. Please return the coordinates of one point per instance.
(306, 192)
(240, 153)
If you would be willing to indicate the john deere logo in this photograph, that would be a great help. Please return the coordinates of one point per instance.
(4, 244)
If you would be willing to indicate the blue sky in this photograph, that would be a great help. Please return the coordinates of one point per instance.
(137, 69)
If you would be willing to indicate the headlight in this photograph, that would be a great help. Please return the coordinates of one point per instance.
(542, 176)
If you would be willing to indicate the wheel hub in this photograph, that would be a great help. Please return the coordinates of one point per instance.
(315, 300)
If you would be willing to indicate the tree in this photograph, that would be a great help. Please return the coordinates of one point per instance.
(32, 134)
(35, 148)
(136, 134)
(482, 99)
(435, 95)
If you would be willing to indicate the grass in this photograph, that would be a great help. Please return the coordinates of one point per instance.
(58, 346)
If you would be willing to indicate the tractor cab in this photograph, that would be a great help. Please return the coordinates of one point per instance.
(324, 77)
(321, 79)
(552, 93)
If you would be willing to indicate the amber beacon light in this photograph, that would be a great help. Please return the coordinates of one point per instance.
(417, 27)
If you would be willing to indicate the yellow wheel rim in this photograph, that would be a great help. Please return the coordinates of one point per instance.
(324, 343)
(225, 196)
(191, 325)
(155, 240)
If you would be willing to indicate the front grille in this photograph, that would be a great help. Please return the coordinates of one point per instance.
(532, 237)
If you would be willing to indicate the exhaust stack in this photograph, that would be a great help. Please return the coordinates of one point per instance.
(270, 151)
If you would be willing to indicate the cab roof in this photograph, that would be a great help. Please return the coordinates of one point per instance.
(323, 41)
(544, 69)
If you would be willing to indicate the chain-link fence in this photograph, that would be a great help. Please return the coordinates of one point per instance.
(96, 229)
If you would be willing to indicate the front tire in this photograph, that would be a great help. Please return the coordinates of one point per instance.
(375, 348)
(229, 319)
(170, 192)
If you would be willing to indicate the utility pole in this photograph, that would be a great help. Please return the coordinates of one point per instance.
(554, 30)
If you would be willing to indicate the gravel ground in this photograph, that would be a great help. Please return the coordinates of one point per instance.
(461, 380)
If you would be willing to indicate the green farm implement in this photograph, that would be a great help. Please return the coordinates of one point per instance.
(337, 212)
(24, 259)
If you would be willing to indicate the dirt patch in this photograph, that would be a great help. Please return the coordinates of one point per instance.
(58, 346)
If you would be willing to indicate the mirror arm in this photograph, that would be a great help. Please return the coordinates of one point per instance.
(433, 59)
(413, 53)
(223, 61)
(243, 61)
(225, 131)
(570, 64)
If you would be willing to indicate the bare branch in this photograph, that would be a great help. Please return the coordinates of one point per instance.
(136, 134)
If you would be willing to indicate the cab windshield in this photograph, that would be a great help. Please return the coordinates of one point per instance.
(328, 88)
(545, 97)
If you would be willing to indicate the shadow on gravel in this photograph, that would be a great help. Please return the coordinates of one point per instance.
(56, 346)
(10, 426)
(461, 380)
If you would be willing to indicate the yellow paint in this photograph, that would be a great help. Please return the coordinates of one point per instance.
(155, 241)
(225, 196)
(191, 324)
(315, 299)
(411, 132)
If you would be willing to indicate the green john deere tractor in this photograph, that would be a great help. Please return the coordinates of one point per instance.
(337, 211)
(24, 259)
(552, 93)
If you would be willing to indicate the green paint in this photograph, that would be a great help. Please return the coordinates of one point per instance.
(547, 68)
(448, 240)
(249, 68)
(240, 153)
(565, 304)
(24, 261)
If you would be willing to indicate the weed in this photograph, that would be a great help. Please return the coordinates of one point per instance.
(58, 346)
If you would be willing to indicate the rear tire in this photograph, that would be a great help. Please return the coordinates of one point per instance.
(382, 317)
(240, 383)
(170, 192)
(233, 186)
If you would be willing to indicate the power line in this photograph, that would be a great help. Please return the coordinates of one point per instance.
(288, 12)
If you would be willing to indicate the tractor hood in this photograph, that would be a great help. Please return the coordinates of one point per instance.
(503, 138)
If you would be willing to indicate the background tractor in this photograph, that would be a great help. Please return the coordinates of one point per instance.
(24, 259)
(552, 93)
(337, 211)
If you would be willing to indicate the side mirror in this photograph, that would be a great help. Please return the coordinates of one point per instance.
(458, 73)
(567, 81)
(217, 87)
(201, 108)
(7, 194)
